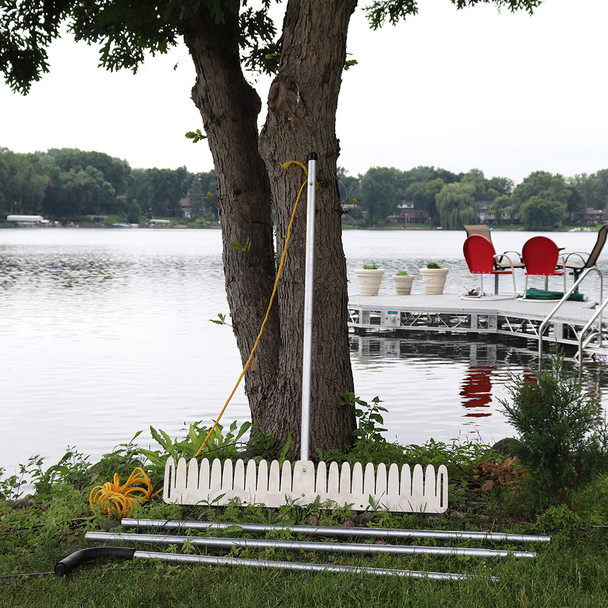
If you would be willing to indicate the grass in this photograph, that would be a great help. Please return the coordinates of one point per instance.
(571, 570)
(486, 493)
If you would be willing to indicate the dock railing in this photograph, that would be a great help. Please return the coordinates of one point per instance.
(596, 317)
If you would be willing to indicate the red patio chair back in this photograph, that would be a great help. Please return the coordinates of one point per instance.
(540, 256)
(479, 254)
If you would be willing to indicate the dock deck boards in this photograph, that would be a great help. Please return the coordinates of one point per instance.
(487, 315)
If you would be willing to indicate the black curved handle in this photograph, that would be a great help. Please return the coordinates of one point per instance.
(67, 564)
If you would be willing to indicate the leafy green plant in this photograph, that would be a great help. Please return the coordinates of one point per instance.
(72, 469)
(242, 248)
(558, 517)
(370, 266)
(369, 418)
(221, 444)
(195, 136)
(401, 273)
(433, 265)
(122, 460)
(10, 487)
(461, 457)
(221, 319)
(264, 446)
(369, 445)
(563, 437)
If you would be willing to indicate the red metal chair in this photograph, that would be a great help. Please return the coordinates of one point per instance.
(480, 256)
(540, 256)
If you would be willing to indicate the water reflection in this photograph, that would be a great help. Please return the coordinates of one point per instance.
(449, 384)
(477, 390)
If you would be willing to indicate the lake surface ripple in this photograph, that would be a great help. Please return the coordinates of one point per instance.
(106, 332)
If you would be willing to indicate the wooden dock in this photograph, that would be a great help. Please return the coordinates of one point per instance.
(451, 313)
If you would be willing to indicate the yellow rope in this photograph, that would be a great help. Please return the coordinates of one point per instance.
(112, 497)
(274, 291)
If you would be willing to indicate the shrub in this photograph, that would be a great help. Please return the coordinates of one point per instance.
(564, 440)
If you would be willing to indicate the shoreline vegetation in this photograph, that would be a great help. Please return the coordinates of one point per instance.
(70, 185)
(198, 225)
(540, 484)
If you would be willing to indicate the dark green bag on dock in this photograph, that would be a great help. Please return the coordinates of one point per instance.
(543, 294)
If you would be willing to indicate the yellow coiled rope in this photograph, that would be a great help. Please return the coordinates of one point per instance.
(111, 497)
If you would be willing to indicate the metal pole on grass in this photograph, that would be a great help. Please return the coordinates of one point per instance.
(338, 531)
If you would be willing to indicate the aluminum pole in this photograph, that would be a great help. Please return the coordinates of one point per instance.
(395, 533)
(308, 306)
(289, 545)
(234, 561)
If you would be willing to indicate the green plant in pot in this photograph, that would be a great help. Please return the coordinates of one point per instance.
(433, 277)
(369, 278)
(403, 282)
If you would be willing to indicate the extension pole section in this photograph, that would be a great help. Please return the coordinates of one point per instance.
(395, 533)
(289, 545)
(308, 306)
(298, 566)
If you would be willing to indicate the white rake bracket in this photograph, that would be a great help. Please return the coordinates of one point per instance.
(396, 490)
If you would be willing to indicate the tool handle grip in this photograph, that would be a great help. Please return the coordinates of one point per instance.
(67, 564)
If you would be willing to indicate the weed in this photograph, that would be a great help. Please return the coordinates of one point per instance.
(558, 517)
(221, 445)
(10, 487)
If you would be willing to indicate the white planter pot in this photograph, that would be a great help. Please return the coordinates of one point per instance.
(403, 284)
(434, 280)
(369, 281)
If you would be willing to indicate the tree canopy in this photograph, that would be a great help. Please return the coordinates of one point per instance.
(67, 184)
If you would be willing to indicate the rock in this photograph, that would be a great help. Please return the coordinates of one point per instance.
(312, 520)
(507, 446)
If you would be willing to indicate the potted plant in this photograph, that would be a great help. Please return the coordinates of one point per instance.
(403, 283)
(433, 277)
(369, 278)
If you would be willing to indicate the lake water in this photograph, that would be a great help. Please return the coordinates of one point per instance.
(106, 332)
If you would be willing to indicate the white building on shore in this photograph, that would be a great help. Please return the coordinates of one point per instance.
(27, 220)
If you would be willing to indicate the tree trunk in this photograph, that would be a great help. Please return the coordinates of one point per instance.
(230, 107)
(301, 119)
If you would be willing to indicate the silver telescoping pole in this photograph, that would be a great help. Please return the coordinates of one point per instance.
(308, 306)
(303, 546)
(394, 533)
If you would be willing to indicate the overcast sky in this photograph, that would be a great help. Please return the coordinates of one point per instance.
(505, 93)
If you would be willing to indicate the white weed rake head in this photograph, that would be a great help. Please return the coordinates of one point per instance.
(302, 483)
(395, 490)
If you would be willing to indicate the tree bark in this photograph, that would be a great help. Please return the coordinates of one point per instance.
(301, 119)
(229, 108)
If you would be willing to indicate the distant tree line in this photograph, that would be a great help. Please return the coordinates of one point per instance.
(68, 184)
(541, 201)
